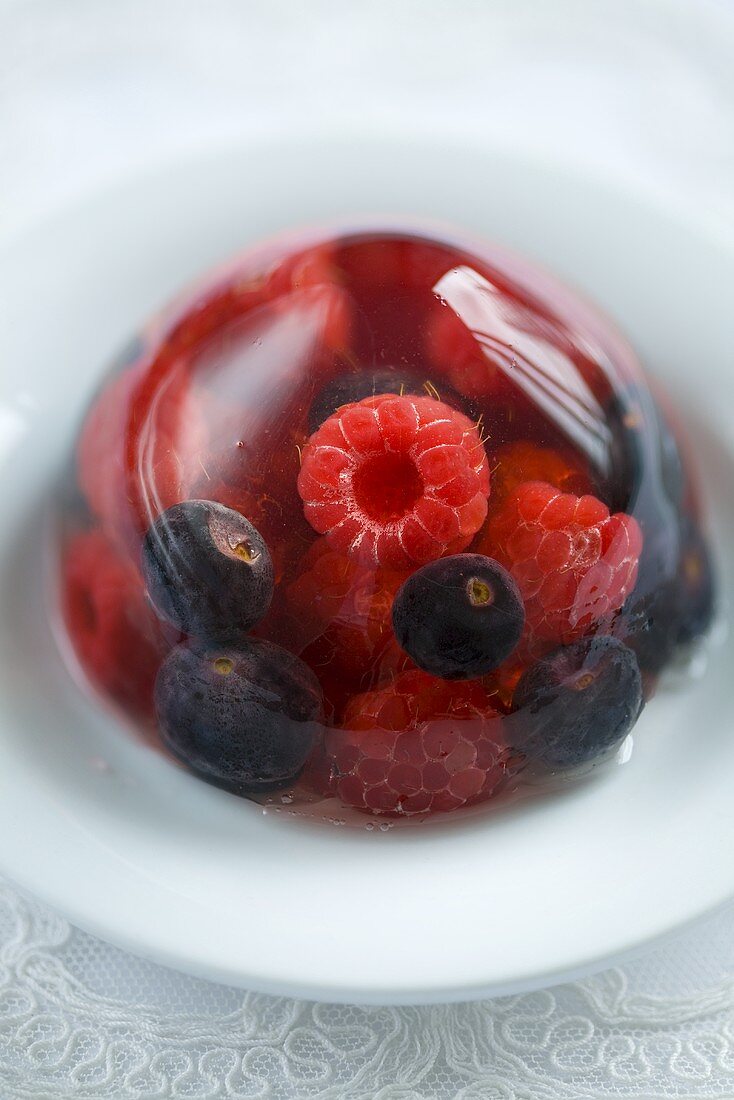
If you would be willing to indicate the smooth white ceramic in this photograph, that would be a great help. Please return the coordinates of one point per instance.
(133, 849)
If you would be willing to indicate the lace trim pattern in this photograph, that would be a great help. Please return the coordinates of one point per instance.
(80, 1019)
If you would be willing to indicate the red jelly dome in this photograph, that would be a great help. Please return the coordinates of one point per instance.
(377, 523)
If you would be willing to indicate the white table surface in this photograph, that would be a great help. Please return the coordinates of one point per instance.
(642, 90)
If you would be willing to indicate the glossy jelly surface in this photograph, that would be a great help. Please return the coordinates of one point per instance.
(373, 523)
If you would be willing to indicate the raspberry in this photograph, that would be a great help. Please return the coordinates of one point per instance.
(161, 441)
(115, 633)
(338, 612)
(502, 682)
(395, 480)
(169, 458)
(456, 352)
(333, 588)
(513, 463)
(390, 662)
(312, 275)
(574, 563)
(419, 745)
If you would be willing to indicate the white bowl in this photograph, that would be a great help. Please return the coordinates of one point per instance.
(133, 849)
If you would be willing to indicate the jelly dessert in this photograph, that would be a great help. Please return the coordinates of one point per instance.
(373, 523)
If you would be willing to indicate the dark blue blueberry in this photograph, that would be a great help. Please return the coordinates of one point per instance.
(629, 418)
(578, 703)
(672, 472)
(648, 621)
(245, 718)
(625, 454)
(676, 613)
(459, 617)
(357, 385)
(207, 570)
(696, 585)
(649, 625)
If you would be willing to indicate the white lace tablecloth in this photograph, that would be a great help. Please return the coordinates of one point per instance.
(642, 89)
(81, 1019)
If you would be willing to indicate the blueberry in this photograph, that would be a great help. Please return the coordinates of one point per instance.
(629, 418)
(696, 585)
(648, 621)
(649, 625)
(672, 472)
(207, 570)
(367, 383)
(243, 717)
(579, 702)
(678, 611)
(459, 617)
(625, 459)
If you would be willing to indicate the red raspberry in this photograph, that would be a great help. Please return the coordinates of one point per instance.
(500, 684)
(261, 277)
(419, 745)
(169, 460)
(472, 369)
(115, 633)
(338, 613)
(332, 588)
(147, 441)
(395, 480)
(390, 662)
(502, 681)
(513, 463)
(575, 564)
(252, 466)
(313, 275)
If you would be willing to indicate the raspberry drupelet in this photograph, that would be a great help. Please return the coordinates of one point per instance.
(396, 481)
(574, 563)
(337, 612)
(419, 745)
(513, 463)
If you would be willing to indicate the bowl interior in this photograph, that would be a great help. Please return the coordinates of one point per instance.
(129, 846)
